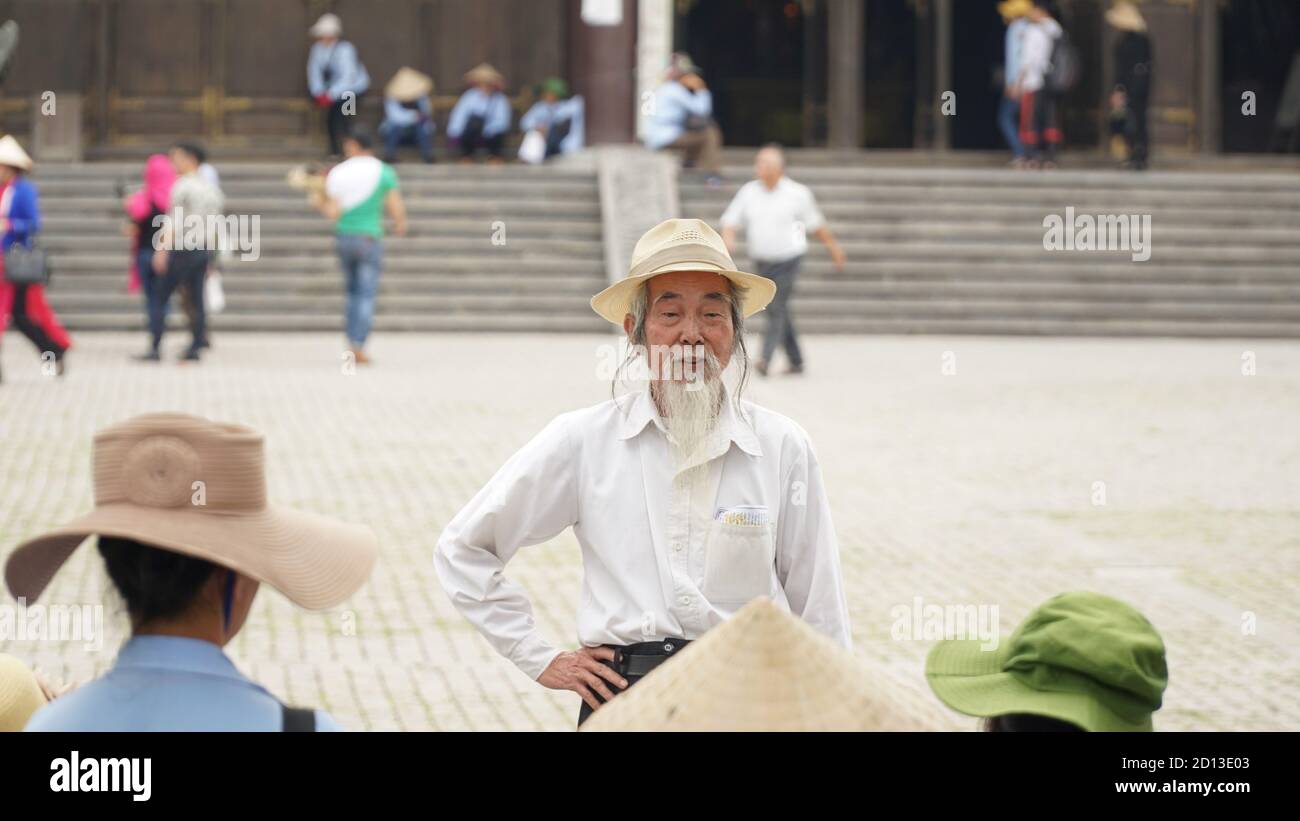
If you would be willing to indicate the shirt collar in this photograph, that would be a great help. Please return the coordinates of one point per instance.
(731, 425)
(176, 653)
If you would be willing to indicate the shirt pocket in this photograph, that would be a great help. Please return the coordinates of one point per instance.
(738, 562)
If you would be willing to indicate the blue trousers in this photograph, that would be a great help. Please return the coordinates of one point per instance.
(1009, 125)
(361, 256)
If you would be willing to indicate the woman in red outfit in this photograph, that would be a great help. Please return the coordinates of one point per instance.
(20, 220)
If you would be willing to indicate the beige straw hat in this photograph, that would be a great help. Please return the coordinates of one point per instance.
(197, 487)
(762, 669)
(20, 694)
(680, 245)
(1126, 17)
(408, 85)
(11, 153)
(484, 73)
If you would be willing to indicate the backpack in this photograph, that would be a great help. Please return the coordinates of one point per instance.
(1063, 70)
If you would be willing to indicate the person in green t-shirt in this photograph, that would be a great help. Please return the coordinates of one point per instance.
(357, 193)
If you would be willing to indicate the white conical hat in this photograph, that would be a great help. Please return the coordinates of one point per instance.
(762, 669)
(11, 153)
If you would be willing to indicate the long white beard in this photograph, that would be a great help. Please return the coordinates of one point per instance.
(691, 409)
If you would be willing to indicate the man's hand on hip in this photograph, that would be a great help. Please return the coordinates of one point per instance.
(582, 672)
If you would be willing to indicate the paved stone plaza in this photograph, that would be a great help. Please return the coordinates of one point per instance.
(1152, 470)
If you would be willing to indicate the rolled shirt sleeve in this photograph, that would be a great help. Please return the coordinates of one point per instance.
(807, 553)
(532, 498)
(809, 214)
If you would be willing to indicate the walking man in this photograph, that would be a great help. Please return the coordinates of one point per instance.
(688, 501)
(777, 214)
(357, 193)
(189, 236)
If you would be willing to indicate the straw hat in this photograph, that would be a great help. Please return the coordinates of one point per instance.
(1125, 17)
(484, 73)
(11, 153)
(20, 694)
(408, 85)
(762, 669)
(329, 25)
(147, 475)
(680, 245)
(1012, 9)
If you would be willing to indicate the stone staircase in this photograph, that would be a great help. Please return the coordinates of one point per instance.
(931, 250)
(490, 249)
(960, 250)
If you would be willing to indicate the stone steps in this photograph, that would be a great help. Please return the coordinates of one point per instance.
(940, 249)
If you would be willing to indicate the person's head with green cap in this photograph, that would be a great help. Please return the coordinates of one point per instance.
(552, 89)
(1080, 661)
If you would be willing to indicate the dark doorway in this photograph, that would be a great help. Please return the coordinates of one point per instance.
(752, 54)
(1259, 38)
(890, 84)
(978, 37)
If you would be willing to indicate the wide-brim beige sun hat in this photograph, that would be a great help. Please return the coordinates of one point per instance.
(1126, 17)
(12, 154)
(408, 85)
(763, 669)
(20, 694)
(186, 484)
(681, 245)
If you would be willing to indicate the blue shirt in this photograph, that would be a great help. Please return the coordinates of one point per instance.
(346, 71)
(673, 103)
(399, 116)
(1014, 48)
(165, 683)
(494, 108)
(544, 114)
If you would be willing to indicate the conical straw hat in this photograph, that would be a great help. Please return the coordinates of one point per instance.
(1126, 17)
(408, 85)
(20, 694)
(762, 669)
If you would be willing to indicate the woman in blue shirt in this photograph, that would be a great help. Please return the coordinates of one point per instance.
(20, 220)
(187, 538)
(481, 117)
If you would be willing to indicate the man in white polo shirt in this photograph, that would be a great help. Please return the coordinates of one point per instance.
(777, 214)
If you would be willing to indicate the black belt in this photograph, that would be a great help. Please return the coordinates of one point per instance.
(639, 659)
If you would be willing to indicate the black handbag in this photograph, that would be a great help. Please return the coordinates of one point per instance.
(26, 265)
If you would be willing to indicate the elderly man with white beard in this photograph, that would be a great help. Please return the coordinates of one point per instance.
(687, 500)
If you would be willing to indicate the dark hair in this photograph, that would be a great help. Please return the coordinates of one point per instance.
(194, 150)
(155, 583)
(1027, 723)
(362, 138)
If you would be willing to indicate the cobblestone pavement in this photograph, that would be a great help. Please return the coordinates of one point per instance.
(976, 487)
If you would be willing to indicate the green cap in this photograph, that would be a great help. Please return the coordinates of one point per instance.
(1080, 657)
(555, 85)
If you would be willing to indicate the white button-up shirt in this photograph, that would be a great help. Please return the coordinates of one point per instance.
(667, 552)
